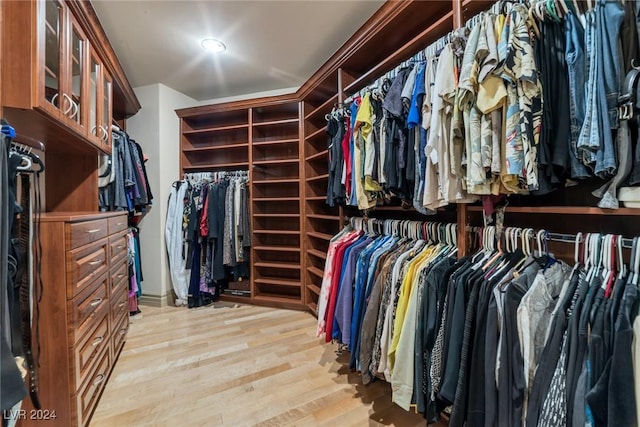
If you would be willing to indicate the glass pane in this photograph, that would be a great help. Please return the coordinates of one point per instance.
(52, 52)
(93, 97)
(77, 53)
(106, 120)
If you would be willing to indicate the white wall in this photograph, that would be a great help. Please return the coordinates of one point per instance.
(157, 129)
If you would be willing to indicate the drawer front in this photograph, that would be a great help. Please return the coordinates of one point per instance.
(85, 265)
(81, 233)
(89, 348)
(87, 397)
(119, 277)
(119, 305)
(86, 307)
(117, 224)
(119, 335)
(117, 247)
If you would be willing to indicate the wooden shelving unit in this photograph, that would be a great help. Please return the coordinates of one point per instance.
(263, 137)
(276, 224)
(217, 140)
(319, 218)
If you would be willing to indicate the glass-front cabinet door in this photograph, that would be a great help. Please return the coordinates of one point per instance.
(107, 93)
(73, 103)
(52, 29)
(94, 113)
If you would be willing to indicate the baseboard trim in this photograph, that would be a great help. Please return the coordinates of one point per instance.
(155, 300)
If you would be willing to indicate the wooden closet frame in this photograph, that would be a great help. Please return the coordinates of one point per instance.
(397, 31)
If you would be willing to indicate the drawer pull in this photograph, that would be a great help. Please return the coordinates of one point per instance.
(95, 230)
(121, 304)
(97, 341)
(120, 247)
(119, 223)
(95, 302)
(98, 379)
(123, 331)
(121, 275)
(96, 262)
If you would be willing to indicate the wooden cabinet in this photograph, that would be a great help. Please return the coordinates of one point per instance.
(59, 62)
(58, 66)
(84, 315)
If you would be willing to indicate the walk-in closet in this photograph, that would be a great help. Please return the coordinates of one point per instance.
(366, 213)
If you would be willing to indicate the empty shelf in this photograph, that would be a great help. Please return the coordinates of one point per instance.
(320, 109)
(319, 155)
(277, 282)
(314, 289)
(283, 265)
(322, 236)
(278, 298)
(277, 181)
(296, 232)
(318, 254)
(276, 162)
(215, 147)
(277, 248)
(213, 129)
(216, 166)
(327, 217)
(275, 122)
(318, 178)
(316, 272)
(275, 199)
(276, 142)
(278, 215)
(316, 133)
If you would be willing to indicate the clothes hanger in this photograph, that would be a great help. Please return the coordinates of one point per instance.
(622, 266)
(636, 262)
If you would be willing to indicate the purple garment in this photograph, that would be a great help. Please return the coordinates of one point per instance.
(344, 304)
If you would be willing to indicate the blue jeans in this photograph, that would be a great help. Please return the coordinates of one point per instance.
(576, 66)
(608, 23)
(589, 137)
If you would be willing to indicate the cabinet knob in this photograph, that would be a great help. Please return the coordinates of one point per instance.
(95, 302)
(97, 341)
(96, 262)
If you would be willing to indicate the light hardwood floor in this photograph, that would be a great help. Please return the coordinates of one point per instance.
(238, 366)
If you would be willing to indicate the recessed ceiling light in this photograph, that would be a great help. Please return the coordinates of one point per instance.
(213, 45)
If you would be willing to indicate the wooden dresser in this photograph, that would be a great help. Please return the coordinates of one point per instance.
(84, 314)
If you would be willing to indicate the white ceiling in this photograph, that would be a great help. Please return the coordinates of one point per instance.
(270, 44)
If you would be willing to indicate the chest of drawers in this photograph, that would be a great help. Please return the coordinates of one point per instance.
(84, 315)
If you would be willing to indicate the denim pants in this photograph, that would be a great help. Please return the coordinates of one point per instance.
(608, 23)
(576, 66)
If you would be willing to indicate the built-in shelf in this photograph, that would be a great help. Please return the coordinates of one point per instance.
(316, 272)
(314, 134)
(277, 215)
(313, 307)
(318, 235)
(217, 166)
(277, 248)
(277, 282)
(282, 265)
(323, 153)
(296, 232)
(322, 107)
(314, 289)
(318, 178)
(435, 30)
(277, 298)
(316, 198)
(318, 254)
(275, 122)
(275, 199)
(215, 147)
(277, 181)
(325, 217)
(214, 129)
(276, 162)
(275, 142)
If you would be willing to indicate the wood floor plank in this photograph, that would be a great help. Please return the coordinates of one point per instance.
(236, 365)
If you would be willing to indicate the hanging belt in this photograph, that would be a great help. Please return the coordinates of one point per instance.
(24, 294)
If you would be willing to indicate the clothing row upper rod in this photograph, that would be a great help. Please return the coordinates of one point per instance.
(445, 233)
